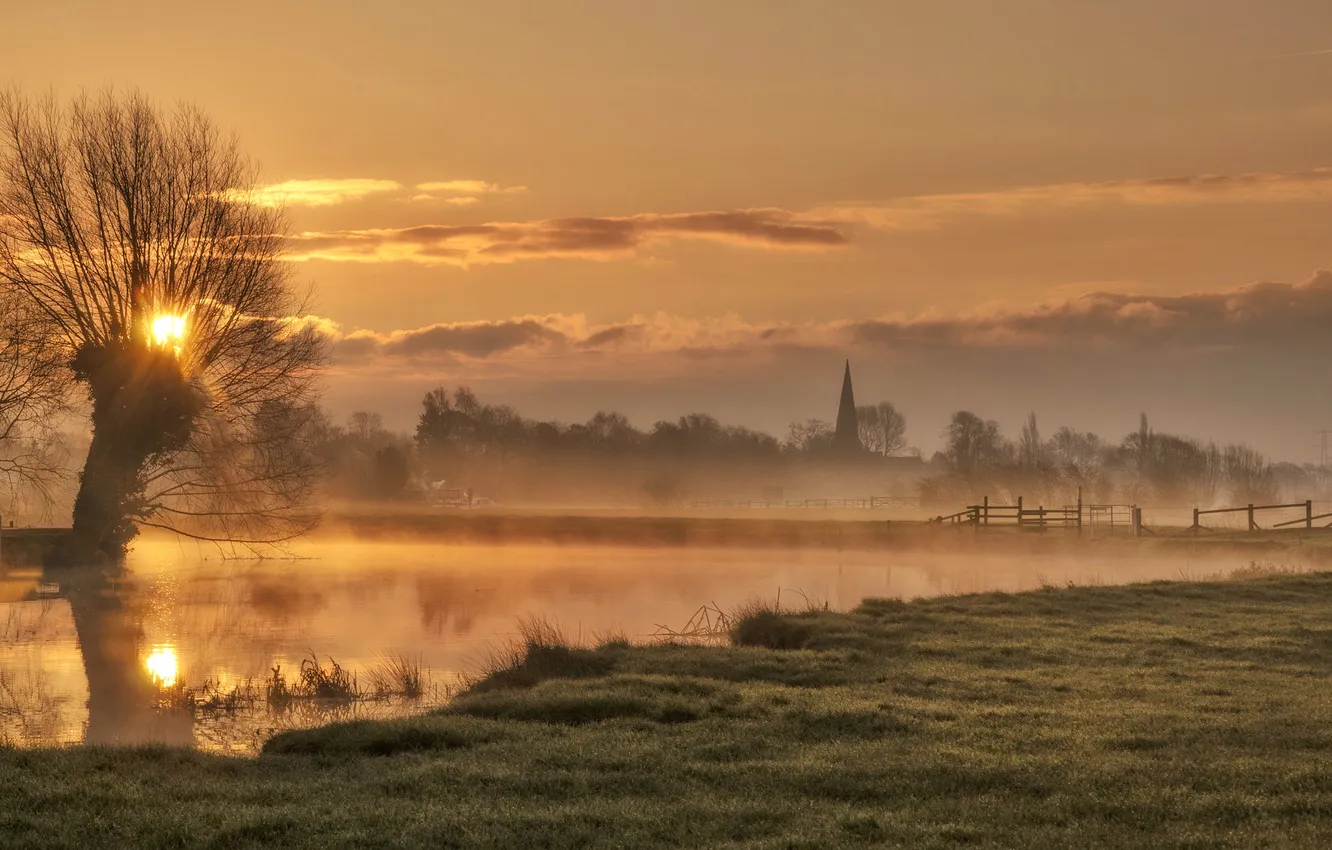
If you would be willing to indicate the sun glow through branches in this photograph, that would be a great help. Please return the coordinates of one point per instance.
(169, 332)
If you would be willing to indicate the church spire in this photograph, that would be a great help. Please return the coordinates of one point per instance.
(846, 439)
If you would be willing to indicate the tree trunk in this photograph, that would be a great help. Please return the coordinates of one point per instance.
(142, 408)
(103, 527)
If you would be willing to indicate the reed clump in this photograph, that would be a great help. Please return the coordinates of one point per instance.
(398, 674)
(541, 650)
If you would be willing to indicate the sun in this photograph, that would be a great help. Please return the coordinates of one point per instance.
(161, 666)
(169, 332)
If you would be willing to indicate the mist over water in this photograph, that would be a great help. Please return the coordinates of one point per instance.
(183, 614)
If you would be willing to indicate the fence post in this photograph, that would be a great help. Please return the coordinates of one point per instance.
(1253, 526)
(1195, 525)
(1308, 513)
(1019, 512)
(1079, 511)
(986, 504)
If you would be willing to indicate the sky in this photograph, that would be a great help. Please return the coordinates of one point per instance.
(1082, 209)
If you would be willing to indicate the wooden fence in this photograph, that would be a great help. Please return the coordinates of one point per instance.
(1112, 517)
(1105, 517)
(1252, 512)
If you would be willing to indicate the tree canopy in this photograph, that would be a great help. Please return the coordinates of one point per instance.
(133, 236)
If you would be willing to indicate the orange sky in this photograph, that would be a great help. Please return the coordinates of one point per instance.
(662, 207)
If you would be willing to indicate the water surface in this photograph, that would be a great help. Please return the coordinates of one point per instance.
(185, 615)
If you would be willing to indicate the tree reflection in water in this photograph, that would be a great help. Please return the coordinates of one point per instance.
(122, 692)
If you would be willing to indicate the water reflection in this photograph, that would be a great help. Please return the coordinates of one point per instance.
(122, 697)
(107, 661)
(161, 666)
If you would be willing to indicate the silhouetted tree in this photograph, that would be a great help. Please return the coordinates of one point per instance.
(131, 232)
(699, 434)
(365, 426)
(1030, 449)
(809, 437)
(1249, 476)
(1171, 469)
(882, 428)
(33, 389)
(1080, 458)
(435, 432)
(972, 445)
(607, 431)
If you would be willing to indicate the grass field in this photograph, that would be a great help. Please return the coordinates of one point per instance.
(1182, 714)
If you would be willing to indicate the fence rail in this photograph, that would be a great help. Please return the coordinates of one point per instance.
(1113, 516)
(1253, 510)
(1040, 517)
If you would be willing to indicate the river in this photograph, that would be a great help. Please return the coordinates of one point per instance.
(184, 615)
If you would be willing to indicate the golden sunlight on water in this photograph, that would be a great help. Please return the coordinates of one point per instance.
(161, 666)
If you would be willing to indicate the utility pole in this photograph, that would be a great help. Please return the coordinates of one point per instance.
(1322, 454)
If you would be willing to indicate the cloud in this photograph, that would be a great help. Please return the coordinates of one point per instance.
(1262, 316)
(470, 187)
(319, 193)
(587, 238)
(463, 192)
(471, 339)
(931, 211)
(324, 192)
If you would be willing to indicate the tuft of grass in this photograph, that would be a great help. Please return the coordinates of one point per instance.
(398, 674)
(541, 651)
(277, 693)
(616, 638)
(765, 627)
(1264, 569)
(758, 623)
(333, 682)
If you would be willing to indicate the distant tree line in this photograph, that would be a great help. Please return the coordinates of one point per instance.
(1143, 467)
(467, 443)
(461, 440)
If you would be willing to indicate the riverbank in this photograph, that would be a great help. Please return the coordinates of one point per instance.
(1158, 715)
(857, 530)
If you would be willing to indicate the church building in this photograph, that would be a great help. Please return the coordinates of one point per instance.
(846, 439)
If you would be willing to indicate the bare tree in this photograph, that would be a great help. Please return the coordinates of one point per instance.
(974, 446)
(882, 428)
(1081, 458)
(132, 233)
(1031, 452)
(1249, 475)
(810, 436)
(33, 391)
(365, 426)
